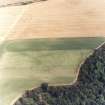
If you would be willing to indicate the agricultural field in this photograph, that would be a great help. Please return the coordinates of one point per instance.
(25, 64)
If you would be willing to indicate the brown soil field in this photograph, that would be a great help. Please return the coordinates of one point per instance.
(59, 18)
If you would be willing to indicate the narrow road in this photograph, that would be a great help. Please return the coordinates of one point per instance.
(8, 20)
(11, 12)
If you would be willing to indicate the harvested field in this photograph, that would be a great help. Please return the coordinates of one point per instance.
(54, 18)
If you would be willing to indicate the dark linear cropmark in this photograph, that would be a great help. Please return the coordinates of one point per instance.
(19, 3)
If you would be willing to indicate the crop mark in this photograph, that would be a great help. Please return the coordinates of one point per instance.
(20, 3)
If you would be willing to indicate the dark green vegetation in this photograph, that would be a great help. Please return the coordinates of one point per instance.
(52, 44)
(25, 64)
(89, 89)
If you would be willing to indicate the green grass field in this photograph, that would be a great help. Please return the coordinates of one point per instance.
(25, 64)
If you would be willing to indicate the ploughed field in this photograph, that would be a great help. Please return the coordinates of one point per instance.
(25, 64)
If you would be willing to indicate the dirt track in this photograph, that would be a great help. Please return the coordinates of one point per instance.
(60, 18)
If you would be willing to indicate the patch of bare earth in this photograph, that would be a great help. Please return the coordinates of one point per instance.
(61, 18)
